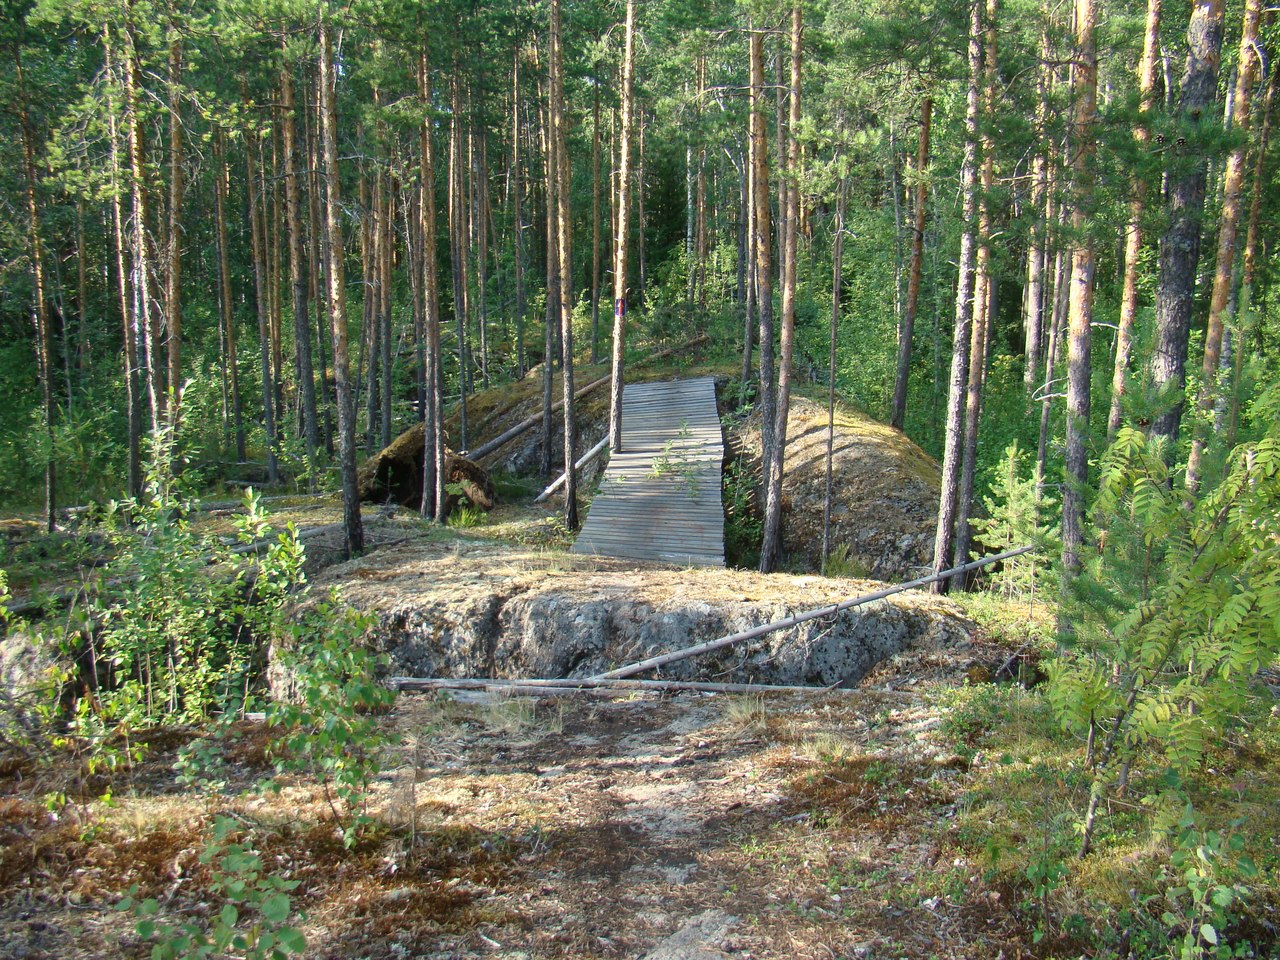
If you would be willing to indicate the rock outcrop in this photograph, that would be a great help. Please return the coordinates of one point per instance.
(884, 492)
(480, 610)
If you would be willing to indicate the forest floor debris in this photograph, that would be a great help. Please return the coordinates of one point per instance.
(827, 825)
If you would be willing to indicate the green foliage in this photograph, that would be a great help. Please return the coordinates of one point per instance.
(327, 726)
(182, 613)
(1017, 516)
(1202, 883)
(253, 921)
(1175, 610)
(743, 524)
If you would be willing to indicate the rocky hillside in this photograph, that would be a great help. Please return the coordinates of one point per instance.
(884, 491)
(468, 609)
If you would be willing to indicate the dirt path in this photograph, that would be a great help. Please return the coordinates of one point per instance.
(693, 827)
(792, 827)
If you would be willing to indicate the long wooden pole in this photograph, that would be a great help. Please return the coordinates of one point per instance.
(676, 655)
(559, 687)
(582, 462)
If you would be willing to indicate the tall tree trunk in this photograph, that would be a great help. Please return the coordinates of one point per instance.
(562, 166)
(39, 306)
(595, 221)
(457, 246)
(551, 314)
(982, 300)
(1249, 268)
(297, 275)
(907, 329)
(1179, 255)
(129, 319)
(767, 395)
(1038, 248)
(143, 258)
(224, 285)
(82, 297)
(1133, 236)
(952, 450)
(771, 546)
(1228, 232)
(337, 298)
(517, 203)
(433, 492)
(257, 229)
(748, 266)
(1084, 91)
(173, 276)
(622, 237)
(837, 279)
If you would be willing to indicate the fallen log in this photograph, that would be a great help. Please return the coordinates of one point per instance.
(530, 422)
(582, 462)
(676, 655)
(568, 686)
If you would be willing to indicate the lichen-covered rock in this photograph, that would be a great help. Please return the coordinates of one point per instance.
(884, 509)
(455, 610)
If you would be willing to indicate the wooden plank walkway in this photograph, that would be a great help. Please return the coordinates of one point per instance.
(660, 498)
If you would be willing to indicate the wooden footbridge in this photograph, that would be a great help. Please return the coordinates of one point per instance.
(660, 497)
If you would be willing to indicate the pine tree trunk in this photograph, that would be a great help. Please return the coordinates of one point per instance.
(982, 301)
(562, 167)
(297, 276)
(622, 235)
(517, 203)
(1084, 91)
(1037, 250)
(595, 221)
(173, 276)
(767, 394)
(433, 492)
(337, 298)
(39, 306)
(129, 320)
(952, 450)
(837, 279)
(143, 259)
(257, 230)
(771, 546)
(224, 283)
(1228, 233)
(907, 330)
(1179, 254)
(1133, 235)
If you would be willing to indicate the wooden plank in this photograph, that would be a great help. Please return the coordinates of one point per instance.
(660, 498)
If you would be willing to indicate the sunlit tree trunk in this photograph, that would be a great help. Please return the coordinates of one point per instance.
(337, 298)
(1228, 233)
(224, 285)
(39, 306)
(1133, 234)
(771, 546)
(952, 450)
(173, 275)
(297, 275)
(622, 236)
(1084, 91)
(433, 477)
(1179, 255)
(982, 300)
(562, 167)
(907, 329)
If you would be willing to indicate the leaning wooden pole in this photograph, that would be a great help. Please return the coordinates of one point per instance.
(676, 655)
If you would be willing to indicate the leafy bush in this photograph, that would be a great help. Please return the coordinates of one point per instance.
(253, 921)
(180, 612)
(1176, 609)
(327, 725)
